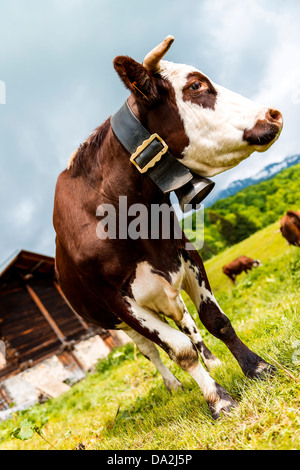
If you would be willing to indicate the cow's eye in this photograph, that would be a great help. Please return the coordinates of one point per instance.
(195, 86)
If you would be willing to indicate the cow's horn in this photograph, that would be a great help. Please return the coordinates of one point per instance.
(152, 59)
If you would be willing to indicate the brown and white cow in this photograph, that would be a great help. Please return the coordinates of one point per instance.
(239, 265)
(129, 283)
(290, 227)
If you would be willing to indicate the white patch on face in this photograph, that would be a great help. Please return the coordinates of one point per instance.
(215, 135)
(154, 292)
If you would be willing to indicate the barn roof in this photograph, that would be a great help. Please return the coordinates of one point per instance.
(27, 261)
(37, 325)
(36, 321)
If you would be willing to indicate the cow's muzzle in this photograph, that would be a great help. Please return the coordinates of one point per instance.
(265, 131)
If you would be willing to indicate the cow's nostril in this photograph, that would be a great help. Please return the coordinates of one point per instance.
(265, 130)
(274, 115)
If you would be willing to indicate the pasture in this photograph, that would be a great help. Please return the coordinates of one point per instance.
(124, 404)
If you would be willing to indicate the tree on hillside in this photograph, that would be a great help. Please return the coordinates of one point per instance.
(243, 227)
(225, 227)
(233, 232)
(235, 218)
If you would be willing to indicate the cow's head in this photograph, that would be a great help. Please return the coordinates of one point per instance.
(209, 127)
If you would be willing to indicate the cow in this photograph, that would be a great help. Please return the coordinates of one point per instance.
(239, 265)
(135, 283)
(290, 227)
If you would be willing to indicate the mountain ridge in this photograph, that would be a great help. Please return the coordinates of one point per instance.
(266, 173)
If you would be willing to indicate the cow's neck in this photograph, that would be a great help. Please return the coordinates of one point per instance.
(113, 175)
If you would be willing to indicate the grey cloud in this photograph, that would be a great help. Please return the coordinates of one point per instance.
(57, 66)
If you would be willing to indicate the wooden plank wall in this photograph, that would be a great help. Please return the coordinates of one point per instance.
(25, 329)
(66, 320)
(36, 321)
(4, 399)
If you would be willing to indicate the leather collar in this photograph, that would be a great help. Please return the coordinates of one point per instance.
(149, 153)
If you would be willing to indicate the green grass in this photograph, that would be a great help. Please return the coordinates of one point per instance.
(235, 218)
(124, 405)
(266, 245)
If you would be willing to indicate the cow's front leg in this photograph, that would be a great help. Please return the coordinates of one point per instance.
(179, 348)
(215, 320)
(219, 325)
(149, 350)
(189, 327)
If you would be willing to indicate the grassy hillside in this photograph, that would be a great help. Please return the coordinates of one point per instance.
(235, 218)
(124, 405)
(265, 245)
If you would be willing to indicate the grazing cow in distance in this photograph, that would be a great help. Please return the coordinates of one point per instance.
(239, 265)
(176, 121)
(290, 227)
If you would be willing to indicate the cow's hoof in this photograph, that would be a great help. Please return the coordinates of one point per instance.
(255, 367)
(223, 407)
(263, 370)
(173, 384)
(223, 404)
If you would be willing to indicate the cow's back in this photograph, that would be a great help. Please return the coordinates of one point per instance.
(290, 227)
(238, 265)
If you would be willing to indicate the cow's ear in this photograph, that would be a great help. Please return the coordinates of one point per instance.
(137, 79)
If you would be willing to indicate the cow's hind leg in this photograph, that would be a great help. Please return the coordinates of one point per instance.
(189, 327)
(217, 323)
(149, 350)
(180, 349)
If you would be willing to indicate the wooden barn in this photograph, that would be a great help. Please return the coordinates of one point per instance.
(37, 326)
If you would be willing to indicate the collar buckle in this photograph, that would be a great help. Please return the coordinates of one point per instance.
(149, 153)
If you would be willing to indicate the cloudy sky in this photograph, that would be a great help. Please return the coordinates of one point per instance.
(56, 64)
